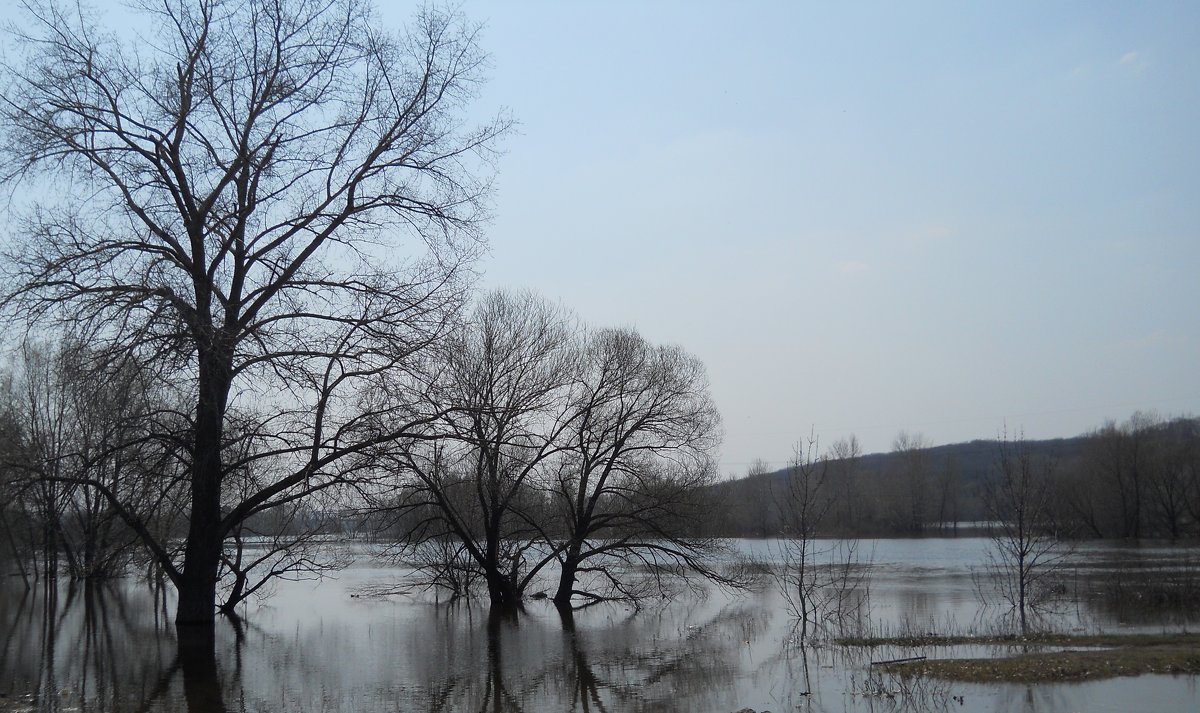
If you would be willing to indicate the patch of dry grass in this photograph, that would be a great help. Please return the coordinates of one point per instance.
(1097, 656)
(1060, 665)
(1036, 639)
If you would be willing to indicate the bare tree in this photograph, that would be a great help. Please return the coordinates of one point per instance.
(912, 479)
(12, 519)
(591, 458)
(39, 400)
(1170, 477)
(1120, 455)
(808, 498)
(1135, 479)
(638, 460)
(292, 545)
(68, 414)
(747, 508)
(504, 383)
(1025, 546)
(286, 542)
(845, 460)
(820, 579)
(947, 487)
(1184, 459)
(231, 197)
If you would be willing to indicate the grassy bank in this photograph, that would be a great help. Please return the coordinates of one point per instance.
(1073, 658)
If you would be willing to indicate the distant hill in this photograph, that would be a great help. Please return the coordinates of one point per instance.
(1136, 479)
(972, 459)
(881, 495)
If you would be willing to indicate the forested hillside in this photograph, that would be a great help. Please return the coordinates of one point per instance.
(1140, 478)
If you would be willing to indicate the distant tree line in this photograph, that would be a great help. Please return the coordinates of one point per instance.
(1139, 478)
(912, 490)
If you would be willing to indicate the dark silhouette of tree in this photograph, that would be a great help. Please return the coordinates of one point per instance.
(822, 580)
(912, 480)
(504, 382)
(1019, 500)
(845, 456)
(585, 453)
(632, 482)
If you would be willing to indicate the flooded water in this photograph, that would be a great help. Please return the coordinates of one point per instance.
(319, 646)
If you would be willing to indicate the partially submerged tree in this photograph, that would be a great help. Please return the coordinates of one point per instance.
(285, 542)
(630, 487)
(503, 386)
(821, 579)
(1026, 548)
(293, 545)
(272, 201)
(588, 457)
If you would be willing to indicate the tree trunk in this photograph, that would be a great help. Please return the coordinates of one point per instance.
(1022, 579)
(502, 591)
(202, 553)
(201, 563)
(566, 581)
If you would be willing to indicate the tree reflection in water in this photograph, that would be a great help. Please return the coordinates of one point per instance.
(529, 667)
(114, 649)
(80, 652)
(117, 651)
(497, 696)
(585, 691)
(197, 659)
(105, 650)
(102, 650)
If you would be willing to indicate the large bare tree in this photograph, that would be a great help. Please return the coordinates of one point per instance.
(271, 201)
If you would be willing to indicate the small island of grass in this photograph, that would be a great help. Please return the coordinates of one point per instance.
(1073, 658)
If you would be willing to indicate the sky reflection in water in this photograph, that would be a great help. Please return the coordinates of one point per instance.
(314, 647)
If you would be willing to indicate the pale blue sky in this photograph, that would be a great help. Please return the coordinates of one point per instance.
(945, 218)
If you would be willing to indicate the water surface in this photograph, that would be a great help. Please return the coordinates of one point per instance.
(320, 646)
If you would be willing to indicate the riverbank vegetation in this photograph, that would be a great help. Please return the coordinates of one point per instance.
(1044, 657)
(1124, 480)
